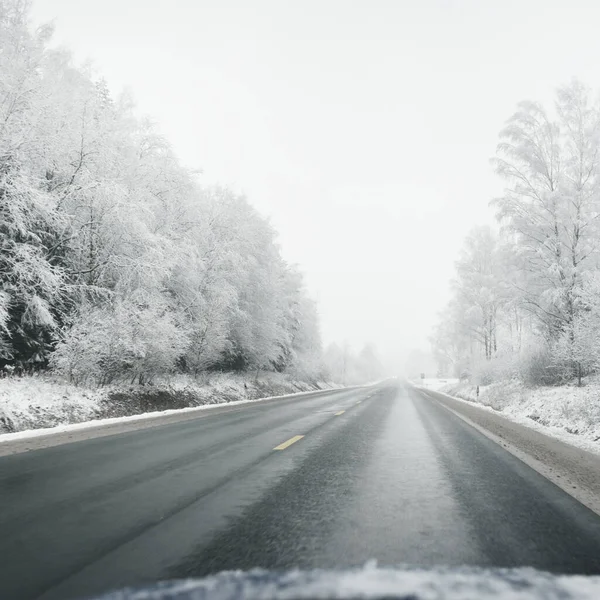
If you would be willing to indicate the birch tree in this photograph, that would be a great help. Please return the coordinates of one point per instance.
(551, 204)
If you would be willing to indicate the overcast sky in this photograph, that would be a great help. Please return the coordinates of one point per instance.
(363, 129)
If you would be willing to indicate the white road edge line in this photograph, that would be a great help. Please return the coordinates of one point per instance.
(560, 481)
(149, 417)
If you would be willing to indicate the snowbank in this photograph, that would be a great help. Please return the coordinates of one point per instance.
(435, 384)
(43, 402)
(562, 409)
(32, 402)
(375, 583)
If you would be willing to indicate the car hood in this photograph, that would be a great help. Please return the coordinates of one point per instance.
(374, 583)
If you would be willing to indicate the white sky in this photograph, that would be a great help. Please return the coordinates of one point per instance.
(362, 128)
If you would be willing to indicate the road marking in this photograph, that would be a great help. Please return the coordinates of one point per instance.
(289, 442)
(337, 414)
(359, 401)
(581, 495)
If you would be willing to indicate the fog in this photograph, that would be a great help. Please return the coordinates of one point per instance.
(363, 130)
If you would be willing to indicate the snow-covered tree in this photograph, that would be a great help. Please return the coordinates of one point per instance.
(552, 201)
(344, 366)
(112, 252)
(478, 288)
(531, 291)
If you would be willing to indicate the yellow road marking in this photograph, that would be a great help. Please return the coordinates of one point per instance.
(289, 442)
(337, 414)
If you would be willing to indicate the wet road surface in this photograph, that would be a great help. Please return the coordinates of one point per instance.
(327, 480)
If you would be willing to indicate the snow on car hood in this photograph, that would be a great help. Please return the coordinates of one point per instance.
(372, 583)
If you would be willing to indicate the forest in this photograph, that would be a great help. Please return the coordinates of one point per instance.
(525, 298)
(115, 263)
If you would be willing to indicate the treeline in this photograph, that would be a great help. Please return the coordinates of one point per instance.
(348, 367)
(115, 264)
(526, 297)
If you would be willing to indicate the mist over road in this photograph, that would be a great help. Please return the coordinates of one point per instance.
(326, 480)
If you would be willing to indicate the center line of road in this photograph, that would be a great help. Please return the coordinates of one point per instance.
(289, 442)
(337, 414)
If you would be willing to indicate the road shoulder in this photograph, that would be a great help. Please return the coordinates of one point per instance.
(573, 469)
(37, 439)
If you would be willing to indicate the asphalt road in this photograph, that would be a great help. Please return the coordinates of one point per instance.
(380, 473)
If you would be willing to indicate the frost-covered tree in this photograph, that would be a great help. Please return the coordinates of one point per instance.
(112, 255)
(549, 246)
(552, 201)
(303, 357)
(369, 363)
(478, 288)
(30, 283)
(577, 348)
(344, 366)
(134, 340)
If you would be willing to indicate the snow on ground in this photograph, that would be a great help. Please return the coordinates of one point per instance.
(375, 583)
(568, 412)
(436, 384)
(30, 402)
(31, 433)
(48, 404)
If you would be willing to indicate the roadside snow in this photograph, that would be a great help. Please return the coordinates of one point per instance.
(435, 384)
(32, 433)
(29, 402)
(47, 405)
(569, 413)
